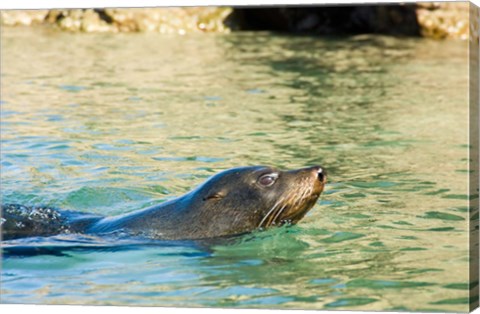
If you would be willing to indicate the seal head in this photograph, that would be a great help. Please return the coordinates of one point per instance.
(244, 199)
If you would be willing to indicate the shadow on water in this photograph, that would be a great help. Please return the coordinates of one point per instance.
(66, 244)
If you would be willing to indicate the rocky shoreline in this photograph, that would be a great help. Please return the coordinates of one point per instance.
(164, 20)
(432, 20)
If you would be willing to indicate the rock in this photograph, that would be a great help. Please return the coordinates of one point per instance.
(332, 20)
(430, 19)
(175, 20)
(23, 17)
(444, 19)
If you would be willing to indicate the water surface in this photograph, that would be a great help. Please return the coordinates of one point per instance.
(113, 123)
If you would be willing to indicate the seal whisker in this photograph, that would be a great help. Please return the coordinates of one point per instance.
(278, 214)
(284, 200)
(302, 196)
(291, 198)
(269, 212)
(299, 199)
(308, 192)
(272, 220)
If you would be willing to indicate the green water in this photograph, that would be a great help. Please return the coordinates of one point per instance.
(113, 123)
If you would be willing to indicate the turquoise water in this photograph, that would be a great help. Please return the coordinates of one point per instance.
(114, 123)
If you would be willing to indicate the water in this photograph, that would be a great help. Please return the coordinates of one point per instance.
(113, 123)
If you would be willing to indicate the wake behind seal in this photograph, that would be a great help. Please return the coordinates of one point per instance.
(232, 202)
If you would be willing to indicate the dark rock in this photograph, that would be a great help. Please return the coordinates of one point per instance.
(325, 20)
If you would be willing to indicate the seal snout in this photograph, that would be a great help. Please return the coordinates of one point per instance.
(321, 173)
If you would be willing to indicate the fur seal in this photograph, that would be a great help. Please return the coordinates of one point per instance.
(232, 202)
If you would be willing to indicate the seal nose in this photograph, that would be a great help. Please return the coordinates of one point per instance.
(321, 174)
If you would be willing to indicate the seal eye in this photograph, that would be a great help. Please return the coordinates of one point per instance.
(268, 179)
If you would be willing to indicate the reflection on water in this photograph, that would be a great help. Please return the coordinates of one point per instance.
(113, 123)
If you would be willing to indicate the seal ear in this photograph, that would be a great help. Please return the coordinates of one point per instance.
(214, 196)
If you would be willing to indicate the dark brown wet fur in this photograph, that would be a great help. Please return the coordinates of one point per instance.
(231, 202)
